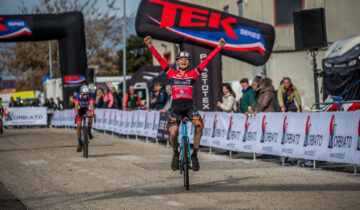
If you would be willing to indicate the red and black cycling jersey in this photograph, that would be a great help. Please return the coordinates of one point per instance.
(182, 85)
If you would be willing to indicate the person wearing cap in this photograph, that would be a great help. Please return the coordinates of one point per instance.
(84, 105)
(182, 81)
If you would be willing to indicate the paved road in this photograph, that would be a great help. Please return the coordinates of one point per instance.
(40, 169)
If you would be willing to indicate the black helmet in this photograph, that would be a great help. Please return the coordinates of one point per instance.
(183, 54)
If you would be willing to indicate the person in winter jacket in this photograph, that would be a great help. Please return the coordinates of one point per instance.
(287, 94)
(108, 99)
(266, 99)
(229, 102)
(248, 97)
(160, 100)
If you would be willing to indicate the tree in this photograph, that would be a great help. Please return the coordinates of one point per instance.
(137, 55)
(29, 61)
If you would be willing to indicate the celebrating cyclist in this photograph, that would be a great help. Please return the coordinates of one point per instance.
(84, 104)
(182, 82)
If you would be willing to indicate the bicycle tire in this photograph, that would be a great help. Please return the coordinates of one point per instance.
(86, 143)
(186, 163)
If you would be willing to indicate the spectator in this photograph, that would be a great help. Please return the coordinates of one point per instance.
(99, 99)
(248, 97)
(255, 85)
(115, 98)
(229, 101)
(12, 102)
(108, 99)
(132, 100)
(71, 102)
(60, 104)
(47, 103)
(169, 99)
(52, 104)
(18, 102)
(266, 99)
(161, 97)
(287, 94)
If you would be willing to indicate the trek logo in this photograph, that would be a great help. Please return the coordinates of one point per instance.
(13, 28)
(214, 27)
(336, 140)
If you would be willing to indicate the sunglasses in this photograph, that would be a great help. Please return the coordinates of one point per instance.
(84, 94)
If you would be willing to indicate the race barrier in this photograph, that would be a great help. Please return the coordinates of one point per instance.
(18, 116)
(323, 136)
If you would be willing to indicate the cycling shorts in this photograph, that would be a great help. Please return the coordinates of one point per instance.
(82, 111)
(189, 113)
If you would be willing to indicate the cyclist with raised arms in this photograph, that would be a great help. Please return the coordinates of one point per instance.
(182, 82)
(84, 104)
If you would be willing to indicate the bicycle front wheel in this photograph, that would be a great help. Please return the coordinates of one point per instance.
(186, 163)
(86, 143)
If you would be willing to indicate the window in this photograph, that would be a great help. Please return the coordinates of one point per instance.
(240, 8)
(283, 11)
(226, 9)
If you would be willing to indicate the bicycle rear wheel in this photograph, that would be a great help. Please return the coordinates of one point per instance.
(186, 163)
(86, 143)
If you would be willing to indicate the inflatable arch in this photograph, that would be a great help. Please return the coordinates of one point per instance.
(67, 28)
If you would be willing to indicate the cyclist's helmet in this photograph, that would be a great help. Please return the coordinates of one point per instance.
(183, 54)
(84, 89)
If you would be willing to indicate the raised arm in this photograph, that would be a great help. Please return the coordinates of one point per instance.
(158, 57)
(203, 64)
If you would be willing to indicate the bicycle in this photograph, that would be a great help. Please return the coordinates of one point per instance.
(185, 154)
(84, 131)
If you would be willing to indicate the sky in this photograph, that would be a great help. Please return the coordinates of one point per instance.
(10, 7)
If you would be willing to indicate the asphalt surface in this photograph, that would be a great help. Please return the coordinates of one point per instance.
(39, 169)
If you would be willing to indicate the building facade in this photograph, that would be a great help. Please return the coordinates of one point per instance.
(341, 21)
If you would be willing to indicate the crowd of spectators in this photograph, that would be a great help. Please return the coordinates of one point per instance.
(35, 102)
(261, 96)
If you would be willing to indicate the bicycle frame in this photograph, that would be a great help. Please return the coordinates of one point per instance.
(184, 134)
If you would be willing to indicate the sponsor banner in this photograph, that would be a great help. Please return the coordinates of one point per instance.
(25, 116)
(131, 129)
(208, 119)
(162, 132)
(181, 22)
(269, 133)
(321, 136)
(151, 124)
(235, 131)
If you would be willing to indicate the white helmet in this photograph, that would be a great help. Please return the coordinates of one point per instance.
(84, 89)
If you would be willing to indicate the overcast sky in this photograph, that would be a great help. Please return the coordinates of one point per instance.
(8, 7)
